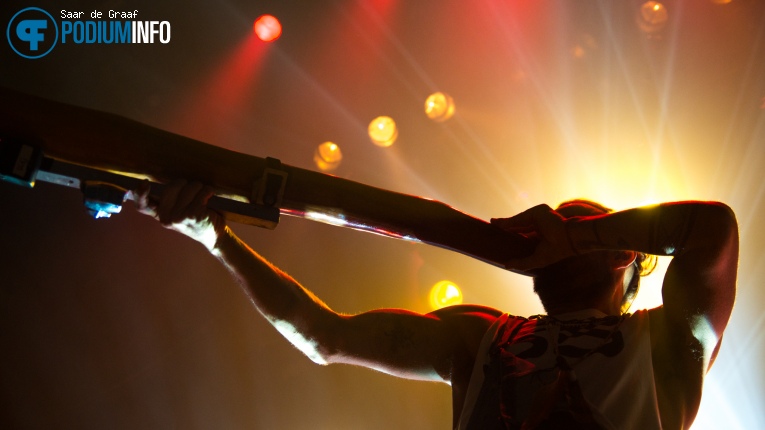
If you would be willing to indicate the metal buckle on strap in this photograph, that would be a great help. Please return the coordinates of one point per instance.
(268, 190)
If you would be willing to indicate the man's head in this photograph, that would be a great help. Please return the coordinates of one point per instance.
(590, 279)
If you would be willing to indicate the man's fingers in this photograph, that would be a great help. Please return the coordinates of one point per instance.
(523, 219)
(167, 201)
(544, 226)
(527, 219)
(197, 207)
(140, 198)
(183, 205)
(178, 201)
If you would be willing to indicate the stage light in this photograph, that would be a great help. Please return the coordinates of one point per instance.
(652, 17)
(268, 28)
(439, 107)
(578, 52)
(584, 47)
(327, 156)
(445, 293)
(383, 131)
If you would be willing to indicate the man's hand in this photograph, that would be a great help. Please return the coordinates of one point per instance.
(544, 226)
(183, 207)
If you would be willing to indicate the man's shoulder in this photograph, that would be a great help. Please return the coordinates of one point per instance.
(468, 323)
(465, 313)
(469, 320)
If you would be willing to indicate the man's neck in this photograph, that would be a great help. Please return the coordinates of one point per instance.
(605, 305)
(582, 314)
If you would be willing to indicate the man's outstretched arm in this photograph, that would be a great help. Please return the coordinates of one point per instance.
(397, 342)
(78, 135)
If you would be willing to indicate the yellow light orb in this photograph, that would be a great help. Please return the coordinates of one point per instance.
(721, 1)
(383, 131)
(439, 107)
(445, 293)
(652, 17)
(327, 156)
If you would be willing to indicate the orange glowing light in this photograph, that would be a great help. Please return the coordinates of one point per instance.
(383, 131)
(327, 156)
(578, 51)
(268, 28)
(445, 293)
(586, 45)
(652, 17)
(439, 107)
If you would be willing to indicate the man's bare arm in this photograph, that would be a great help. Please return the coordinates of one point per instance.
(110, 142)
(700, 284)
(702, 237)
(397, 342)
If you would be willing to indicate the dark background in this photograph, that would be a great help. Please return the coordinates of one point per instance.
(121, 324)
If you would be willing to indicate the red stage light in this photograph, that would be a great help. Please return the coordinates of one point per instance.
(268, 28)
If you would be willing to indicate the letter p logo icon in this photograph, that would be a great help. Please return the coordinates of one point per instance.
(32, 33)
(27, 31)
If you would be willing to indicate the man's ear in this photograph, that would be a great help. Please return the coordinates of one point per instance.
(622, 259)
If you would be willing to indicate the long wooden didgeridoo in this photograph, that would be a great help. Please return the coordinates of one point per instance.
(109, 142)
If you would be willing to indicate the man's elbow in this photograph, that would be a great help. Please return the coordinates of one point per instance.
(720, 224)
(312, 346)
(720, 234)
(724, 213)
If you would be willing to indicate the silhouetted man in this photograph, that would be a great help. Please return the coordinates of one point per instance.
(587, 364)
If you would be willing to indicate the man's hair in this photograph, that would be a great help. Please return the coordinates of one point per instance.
(644, 264)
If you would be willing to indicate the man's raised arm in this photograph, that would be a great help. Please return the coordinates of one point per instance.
(700, 284)
(702, 237)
